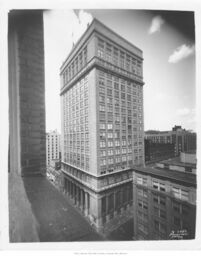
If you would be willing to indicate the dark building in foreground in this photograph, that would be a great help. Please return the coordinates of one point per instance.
(164, 204)
(102, 123)
(27, 148)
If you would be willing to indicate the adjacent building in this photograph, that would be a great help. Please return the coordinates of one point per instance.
(186, 162)
(164, 204)
(182, 139)
(158, 151)
(102, 122)
(53, 150)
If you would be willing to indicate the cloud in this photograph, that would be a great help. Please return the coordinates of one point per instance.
(80, 24)
(182, 52)
(156, 24)
(183, 111)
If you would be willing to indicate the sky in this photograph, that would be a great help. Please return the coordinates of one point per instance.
(168, 43)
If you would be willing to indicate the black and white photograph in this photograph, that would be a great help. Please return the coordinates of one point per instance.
(102, 141)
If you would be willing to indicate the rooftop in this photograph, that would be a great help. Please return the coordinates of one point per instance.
(188, 179)
(177, 161)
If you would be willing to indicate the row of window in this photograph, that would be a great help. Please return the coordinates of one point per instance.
(119, 57)
(176, 192)
(75, 66)
(118, 159)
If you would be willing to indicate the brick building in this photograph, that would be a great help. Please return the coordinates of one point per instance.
(102, 122)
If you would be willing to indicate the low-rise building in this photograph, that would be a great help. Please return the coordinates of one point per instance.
(164, 204)
(186, 162)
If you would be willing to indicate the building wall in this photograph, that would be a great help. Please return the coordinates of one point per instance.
(188, 158)
(53, 146)
(158, 151)
(26, 74)
(160, 208)
(26, 118)
(183, 140)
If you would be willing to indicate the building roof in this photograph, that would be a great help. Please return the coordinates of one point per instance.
(176, 161)
(188, 179)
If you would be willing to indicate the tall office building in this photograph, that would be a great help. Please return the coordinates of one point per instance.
(102, 122)
(52, 146)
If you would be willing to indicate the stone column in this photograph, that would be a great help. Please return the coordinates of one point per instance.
(86, 204)
(99, 212)
(115, 212)
(77, 196)
(74, 192)
(81, 199)
(107, 206)
(68, 189)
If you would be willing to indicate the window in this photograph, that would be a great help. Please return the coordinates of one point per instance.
(103, 153)
(159, 213)
(109, 126)
(159, 200)
(110, 152)
(110, 143)
(158, 186)
(180, 193)
(123, 158)
(101, 98)
(116, 86)
(142, 204)
(102, 135)
(102, 108)
(102, 162)
(109, 92)
(108, 52)
(110, 135)
(102, 126)
(142, 181)
(110, 160)
(102, 144)
(142, 193)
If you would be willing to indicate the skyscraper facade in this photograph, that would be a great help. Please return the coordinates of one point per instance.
(52, 146)
(102, 122)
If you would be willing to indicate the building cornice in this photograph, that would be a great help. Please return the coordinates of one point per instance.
(95, 62)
